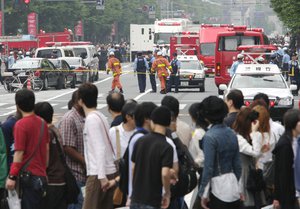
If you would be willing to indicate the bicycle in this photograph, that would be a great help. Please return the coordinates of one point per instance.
(14, 83)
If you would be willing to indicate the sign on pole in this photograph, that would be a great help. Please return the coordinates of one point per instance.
(100, 5)
(32, 24)
(79, 28)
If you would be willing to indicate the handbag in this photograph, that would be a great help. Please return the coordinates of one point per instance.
(3, 199)
(118, 194)
(72, 190)
(255, 181)
(13, 200)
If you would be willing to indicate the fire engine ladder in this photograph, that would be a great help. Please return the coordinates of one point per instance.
(253, 56)
(183, 49)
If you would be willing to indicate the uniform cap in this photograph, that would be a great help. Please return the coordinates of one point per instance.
(20, 52)
(111, 53)
(27, 53)
(240, 56)
(261, 59)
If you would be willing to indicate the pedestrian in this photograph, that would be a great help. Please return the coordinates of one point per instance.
(140, 67)
(102, 56)
(161, 66)
(183, 130)
(294, 72)
(11, 60)
(56, 189)
(246, 126)
(152, 78)
(31, 152)
(200, 127)
(71, 130)
(222, 165)
(234, 66)
(118, 53)
(285, 194)
(3, 167)
(234, 101)
(114, 65)
(152, 160)
(98, 152)
(174, 76)
(285, 64)
(115, 102)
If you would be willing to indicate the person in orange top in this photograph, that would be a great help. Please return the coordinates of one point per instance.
(161, 65)
(114, 65)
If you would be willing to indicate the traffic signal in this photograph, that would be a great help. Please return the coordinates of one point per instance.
(27, 2)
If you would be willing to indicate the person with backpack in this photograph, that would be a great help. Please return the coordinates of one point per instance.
(140, 67)
(174, 77)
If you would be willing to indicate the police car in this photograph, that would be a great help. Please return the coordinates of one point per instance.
(192, 73)
(263, 78)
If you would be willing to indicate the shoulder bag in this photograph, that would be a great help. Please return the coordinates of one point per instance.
(72, 190)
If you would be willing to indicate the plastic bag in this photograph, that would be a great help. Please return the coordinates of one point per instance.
(13, 200)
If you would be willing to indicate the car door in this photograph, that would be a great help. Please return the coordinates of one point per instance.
(51, 73)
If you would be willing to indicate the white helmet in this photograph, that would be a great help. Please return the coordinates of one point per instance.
(111, 54)
(260, 59)
(11, 53)
(159, 53)
(27, 53)
(240, 56)
(20, 52)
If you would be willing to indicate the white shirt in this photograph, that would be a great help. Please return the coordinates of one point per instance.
(124, 138)
(247, 148)
(194, 146)
(98, 153)
(184, 132)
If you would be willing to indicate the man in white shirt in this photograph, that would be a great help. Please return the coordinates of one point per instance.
(98, 152)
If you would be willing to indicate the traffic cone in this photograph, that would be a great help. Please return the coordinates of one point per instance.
(28, 84)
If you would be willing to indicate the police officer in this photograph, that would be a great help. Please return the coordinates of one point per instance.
(285, 63)
(174, 77)
(141, 66)
(150, 60)
(161, 65)
(11, 60)
(294, 71)
(240, 58)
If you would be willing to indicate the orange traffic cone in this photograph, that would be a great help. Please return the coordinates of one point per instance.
(28, 84)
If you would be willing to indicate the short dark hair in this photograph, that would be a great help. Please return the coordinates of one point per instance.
(161, 116)
(44, 110)
(290, 119)
(143, 112)
(172, 103)
(128, 109)
(195, 113)
(25, 100)
(214, 109)
(264, 97)
(88, 93)
(115, 101)
(237, 98)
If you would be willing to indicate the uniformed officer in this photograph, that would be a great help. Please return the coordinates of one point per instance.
(240, 58)
(114, 65)
(161, 66)
(150, 60)
(174, 77)
(141, 66)
(294, 71)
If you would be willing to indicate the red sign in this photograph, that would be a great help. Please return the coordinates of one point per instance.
(0, 23)
(32, 23)
(79, 28)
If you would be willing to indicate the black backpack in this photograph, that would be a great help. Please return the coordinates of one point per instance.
(124, 166)
(187, 175)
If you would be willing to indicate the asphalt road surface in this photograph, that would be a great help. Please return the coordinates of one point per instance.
(60, 98)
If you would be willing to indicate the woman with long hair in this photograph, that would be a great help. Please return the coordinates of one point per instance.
(285, 194)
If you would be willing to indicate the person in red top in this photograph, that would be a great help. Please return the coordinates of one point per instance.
(114, 65)
(161, 65)
(27, 132)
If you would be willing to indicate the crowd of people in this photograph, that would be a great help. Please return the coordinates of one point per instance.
(240, 157)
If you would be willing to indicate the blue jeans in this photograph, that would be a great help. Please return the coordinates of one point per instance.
(141, 206)
(80, 197)
(32, 192)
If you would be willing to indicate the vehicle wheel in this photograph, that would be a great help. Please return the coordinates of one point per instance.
(60, 82)
(202, 89)
(46, 84)
(7, 84)
(36, 84)
(73, 83)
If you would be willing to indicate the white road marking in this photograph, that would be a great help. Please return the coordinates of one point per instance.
(100, 106)
(143, 94)
(11, 108)
(2, 104)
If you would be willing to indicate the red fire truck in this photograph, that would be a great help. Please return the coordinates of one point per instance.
(27, 42)
(227, 49)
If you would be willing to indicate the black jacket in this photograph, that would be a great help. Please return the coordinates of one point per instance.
(284, 173)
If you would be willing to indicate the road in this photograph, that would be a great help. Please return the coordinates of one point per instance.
(60, 98)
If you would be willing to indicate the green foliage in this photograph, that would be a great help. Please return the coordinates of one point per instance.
(288, 12)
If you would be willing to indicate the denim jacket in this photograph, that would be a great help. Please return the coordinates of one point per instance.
(221, 151)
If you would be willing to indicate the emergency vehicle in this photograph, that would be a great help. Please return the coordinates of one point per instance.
(165, 28)
(226, 49)
(207, 40)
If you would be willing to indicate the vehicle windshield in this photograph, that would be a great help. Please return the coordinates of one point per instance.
(190, 65)
(26, 64)
(79, 51)
(162, 38)
(208, 49)
(258, 81)
(49, 53)
(230, 43)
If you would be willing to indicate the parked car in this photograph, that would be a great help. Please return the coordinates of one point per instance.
(54, 52)
(43, 69)
(78, 66)
(69, 74)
